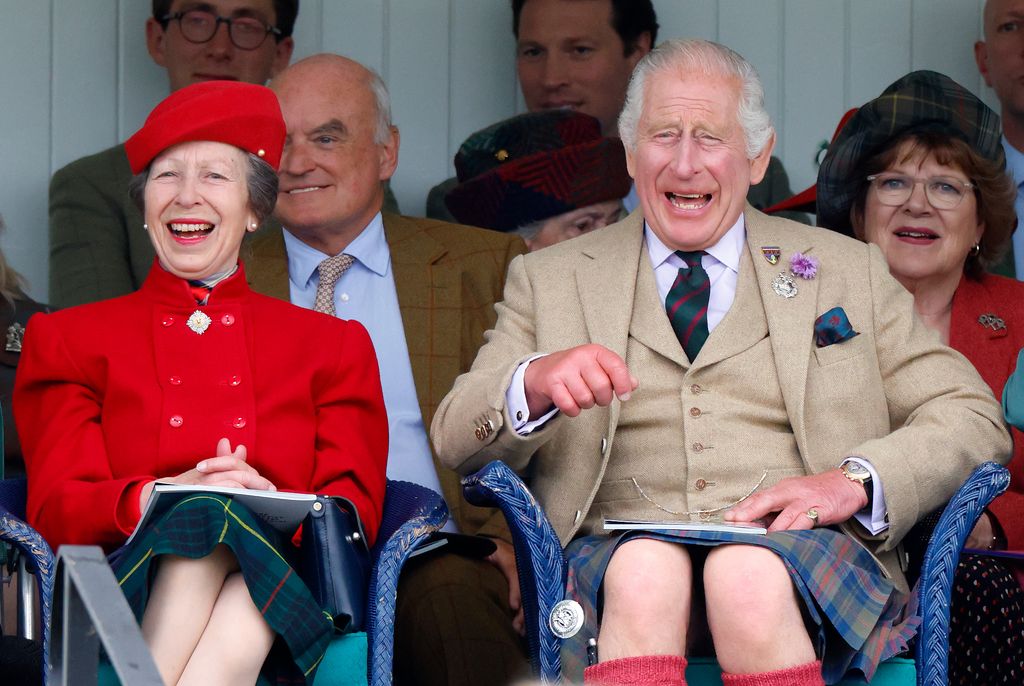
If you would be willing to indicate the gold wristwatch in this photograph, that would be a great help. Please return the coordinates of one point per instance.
(855, 471)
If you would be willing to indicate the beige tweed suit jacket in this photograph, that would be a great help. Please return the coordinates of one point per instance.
(448, 278)
(894, 394)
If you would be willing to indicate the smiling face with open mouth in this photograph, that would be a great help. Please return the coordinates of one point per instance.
(197, 208)
(922, 243)
(690, 163)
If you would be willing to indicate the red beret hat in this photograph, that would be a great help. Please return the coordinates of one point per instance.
(240, 114)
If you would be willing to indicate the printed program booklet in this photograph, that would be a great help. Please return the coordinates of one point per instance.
(716, 524)
(282, 510)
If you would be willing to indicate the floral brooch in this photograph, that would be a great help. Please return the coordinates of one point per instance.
(801, 266)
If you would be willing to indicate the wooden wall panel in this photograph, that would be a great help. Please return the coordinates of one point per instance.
(418, 72)
(482, 89)
(353, 28)
(746, 27)
(84, 105)
(813, 37)
(878, 52)
(942, 38)
(142, 84)
(687, 19)
(25, 141)
(450, 67)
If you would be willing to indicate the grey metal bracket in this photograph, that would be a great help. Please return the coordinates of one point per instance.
(89, 610)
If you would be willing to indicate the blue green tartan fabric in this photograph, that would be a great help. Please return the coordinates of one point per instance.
(687, 303)
(193, 528)
(860, 616)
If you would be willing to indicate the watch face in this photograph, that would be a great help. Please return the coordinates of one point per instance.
(856, 469)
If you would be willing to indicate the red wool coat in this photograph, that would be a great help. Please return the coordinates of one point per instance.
(993, 352)
(117, 393)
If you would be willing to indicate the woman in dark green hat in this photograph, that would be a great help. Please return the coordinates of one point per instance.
(919, 171)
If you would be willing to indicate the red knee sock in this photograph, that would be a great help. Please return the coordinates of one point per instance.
(651, 670)
(801, 675)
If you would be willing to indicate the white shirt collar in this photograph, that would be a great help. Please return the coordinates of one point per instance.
(727, 250)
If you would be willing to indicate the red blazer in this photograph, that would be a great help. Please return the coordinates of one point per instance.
(994, 354)
(117, 393)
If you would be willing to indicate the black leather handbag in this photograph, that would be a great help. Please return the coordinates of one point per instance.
(335, 561)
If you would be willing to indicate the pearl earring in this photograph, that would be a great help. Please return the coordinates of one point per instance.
(145, 227)
(254, 226)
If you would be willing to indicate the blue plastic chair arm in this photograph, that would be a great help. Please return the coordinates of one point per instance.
(411, 514)
(539, 558)
(936, 585)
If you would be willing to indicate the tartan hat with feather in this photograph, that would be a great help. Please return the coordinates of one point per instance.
(536, 166)
(919, 101)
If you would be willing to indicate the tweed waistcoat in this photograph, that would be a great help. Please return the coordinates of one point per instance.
(732, 386)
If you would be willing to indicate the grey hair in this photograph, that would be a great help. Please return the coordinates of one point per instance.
(382, 102)
(711, 59)
(260, 181)
(530, 230)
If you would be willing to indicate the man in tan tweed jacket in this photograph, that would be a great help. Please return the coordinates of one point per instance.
(584, 385)
(425, 290)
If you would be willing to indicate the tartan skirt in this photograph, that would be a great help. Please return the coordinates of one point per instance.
(193, 528)
(861, 618)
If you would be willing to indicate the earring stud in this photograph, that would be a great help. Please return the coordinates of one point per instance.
(145, 227)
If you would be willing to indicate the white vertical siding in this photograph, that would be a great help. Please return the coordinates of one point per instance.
(76, 76)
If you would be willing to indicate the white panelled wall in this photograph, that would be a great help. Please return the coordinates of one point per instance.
(75, 77)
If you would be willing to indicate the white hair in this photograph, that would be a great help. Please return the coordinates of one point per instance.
(382, 101)
(710, 59)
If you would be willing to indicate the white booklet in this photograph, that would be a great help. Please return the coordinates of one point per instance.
(282, 510)
(717, 524)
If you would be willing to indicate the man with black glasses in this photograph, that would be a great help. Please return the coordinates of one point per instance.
(98, 247)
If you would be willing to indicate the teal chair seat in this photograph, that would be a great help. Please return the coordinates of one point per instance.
(899, 671)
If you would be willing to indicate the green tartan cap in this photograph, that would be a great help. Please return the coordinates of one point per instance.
(921, 100)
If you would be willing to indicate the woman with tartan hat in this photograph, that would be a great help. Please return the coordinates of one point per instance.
(194, 379)
(920, 172)
(547, 176)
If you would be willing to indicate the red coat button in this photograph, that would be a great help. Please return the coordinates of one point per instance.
(227, 320)
(168, 320)
(176, 421)
(239, 423)
(235, 380)
(175, 380)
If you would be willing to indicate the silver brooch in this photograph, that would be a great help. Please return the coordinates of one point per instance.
(566, 619)
(199, 322)
(784, 285)
(15, 334)
(992, 322)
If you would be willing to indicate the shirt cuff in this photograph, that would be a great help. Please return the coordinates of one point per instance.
(518, 408)
(877, 519)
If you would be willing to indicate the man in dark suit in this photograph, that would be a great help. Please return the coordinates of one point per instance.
(425, 290)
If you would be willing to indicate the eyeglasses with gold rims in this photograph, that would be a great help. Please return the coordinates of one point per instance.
(200, 26)
(943, 192)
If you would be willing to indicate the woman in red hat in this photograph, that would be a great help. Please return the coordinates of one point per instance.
(194, 379)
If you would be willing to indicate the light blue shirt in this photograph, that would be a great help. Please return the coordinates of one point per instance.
(366, 293)
(1015, 165)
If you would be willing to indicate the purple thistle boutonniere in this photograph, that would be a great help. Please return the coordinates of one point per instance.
(804, 266)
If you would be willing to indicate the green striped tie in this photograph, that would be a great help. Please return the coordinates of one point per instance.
(687, 303)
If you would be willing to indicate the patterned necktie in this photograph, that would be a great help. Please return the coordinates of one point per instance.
(330, 270)
(687, 303)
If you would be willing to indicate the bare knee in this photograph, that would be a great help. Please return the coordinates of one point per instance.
(748, 582)
(647, 589)
(753, 607)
